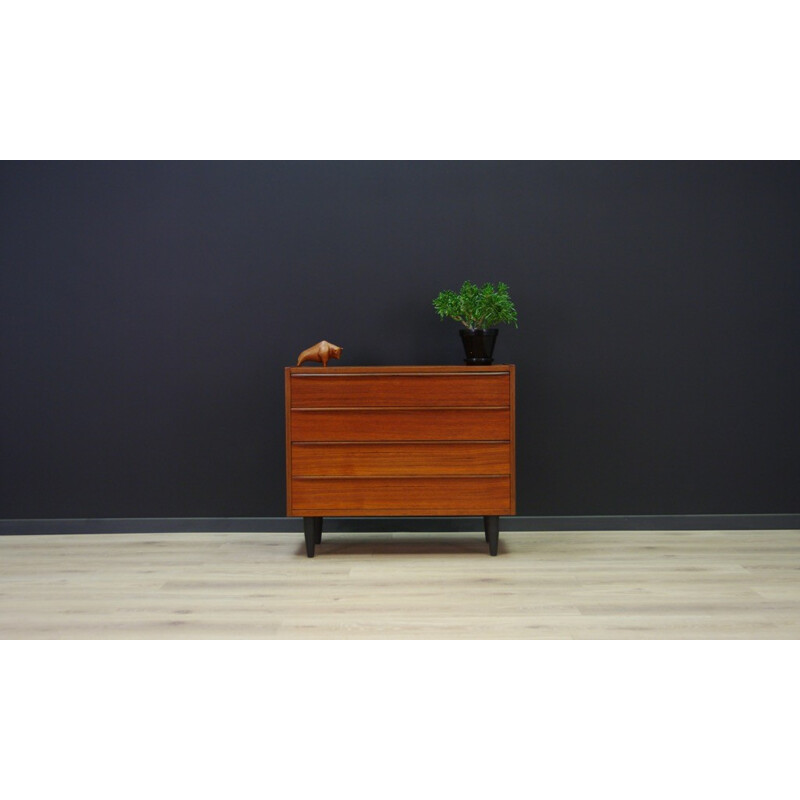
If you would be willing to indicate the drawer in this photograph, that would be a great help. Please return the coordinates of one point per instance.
(392, 496)
(401, 459)
(320, 390)
(426, 424)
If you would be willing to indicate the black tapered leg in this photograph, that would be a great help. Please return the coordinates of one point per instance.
(317, 530)
(309, 529)
(491, 526)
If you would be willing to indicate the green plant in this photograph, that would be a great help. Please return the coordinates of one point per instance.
(477, 308)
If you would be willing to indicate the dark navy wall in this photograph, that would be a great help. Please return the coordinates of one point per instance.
(147, 311)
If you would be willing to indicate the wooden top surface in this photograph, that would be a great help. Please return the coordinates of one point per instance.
(400, 370)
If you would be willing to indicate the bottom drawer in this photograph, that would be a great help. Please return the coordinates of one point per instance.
(354, 497)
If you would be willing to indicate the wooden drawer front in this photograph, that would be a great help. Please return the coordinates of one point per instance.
(401, 459)
(348, 391)
(424, 496)
(360, 425)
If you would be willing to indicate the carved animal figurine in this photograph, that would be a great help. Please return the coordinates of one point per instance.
(321, 351)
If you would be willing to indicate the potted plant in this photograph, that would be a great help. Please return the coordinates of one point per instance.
(477, 309)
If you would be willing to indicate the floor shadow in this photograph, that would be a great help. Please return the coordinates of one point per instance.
(345, 545)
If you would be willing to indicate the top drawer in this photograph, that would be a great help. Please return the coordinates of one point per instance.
(329, 390)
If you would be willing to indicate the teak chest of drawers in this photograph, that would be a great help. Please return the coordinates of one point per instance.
(399, 441)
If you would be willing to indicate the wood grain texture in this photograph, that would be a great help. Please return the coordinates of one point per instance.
(389, 496)
(552, 585)
(400, 459)
(417, 424)
(399, 440)
(347, 390)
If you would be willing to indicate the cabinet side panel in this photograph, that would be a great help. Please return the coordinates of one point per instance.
(513, 437)
(287, 396)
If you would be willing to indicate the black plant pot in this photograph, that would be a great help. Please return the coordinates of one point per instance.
(478, 345)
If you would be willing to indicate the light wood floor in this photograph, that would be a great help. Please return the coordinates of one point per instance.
(581, 585)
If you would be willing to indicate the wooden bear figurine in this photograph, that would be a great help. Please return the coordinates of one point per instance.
(321, 351)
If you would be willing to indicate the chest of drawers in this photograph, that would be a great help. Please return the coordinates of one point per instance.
(399, 441)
